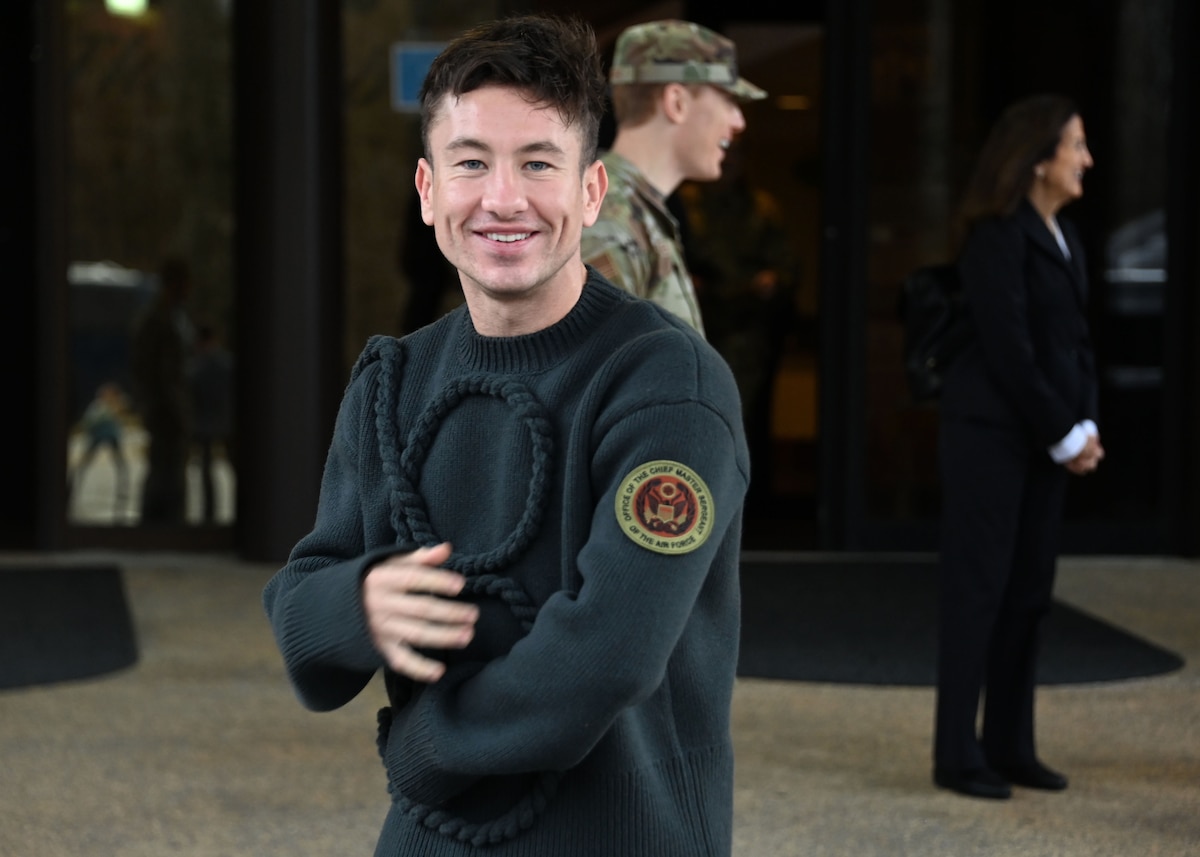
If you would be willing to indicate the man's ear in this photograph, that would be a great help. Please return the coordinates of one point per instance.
(424, 183)
(595, 185)
(675, 100)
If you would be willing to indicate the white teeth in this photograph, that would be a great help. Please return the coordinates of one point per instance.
(724, 144)
(507, 237)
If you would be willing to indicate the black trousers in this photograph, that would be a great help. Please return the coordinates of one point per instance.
(1001, 513)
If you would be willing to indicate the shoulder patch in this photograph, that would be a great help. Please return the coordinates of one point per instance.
(665, 507)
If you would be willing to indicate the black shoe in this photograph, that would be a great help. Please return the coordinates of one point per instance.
(977, 782)
(1034, 776)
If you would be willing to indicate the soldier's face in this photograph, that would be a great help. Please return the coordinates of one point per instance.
(506, 195)
(713, 119)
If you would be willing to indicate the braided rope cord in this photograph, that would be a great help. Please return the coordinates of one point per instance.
(391, 361)
(409, 517)
(532, 414)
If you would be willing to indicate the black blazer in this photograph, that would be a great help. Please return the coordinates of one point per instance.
(1031, 366)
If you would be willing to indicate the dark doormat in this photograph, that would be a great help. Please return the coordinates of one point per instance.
(61, 624)
(876, 623)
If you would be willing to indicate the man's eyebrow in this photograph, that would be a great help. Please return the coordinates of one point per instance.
(459, 143)
(541, 147)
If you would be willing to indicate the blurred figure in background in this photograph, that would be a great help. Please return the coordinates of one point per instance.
(101, 425)
(1018, 417)
(162, 340)
(210, 375)
(675, 95)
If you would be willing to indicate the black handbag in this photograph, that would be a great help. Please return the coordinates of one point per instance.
(936, 327)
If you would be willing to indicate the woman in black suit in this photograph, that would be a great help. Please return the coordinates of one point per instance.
(1018, 416)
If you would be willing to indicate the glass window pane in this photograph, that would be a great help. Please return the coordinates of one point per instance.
(150, 279)
(941, 73)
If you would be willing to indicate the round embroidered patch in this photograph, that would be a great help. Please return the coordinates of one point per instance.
(665, 507)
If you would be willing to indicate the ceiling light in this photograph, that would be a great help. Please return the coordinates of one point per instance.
(127, 8)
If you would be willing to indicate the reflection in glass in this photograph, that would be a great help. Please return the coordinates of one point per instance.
(181, 385)
(151, 295)
(941, 72)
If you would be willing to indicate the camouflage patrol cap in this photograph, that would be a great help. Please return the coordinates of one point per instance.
(679, 52)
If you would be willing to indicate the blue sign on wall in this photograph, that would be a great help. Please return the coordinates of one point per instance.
(410, 64)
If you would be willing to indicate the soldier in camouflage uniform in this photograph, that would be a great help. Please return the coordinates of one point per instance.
(676, 94)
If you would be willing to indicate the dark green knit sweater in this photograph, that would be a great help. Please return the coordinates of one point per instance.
(590, 478)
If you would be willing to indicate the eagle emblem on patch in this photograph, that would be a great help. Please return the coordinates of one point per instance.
(665, 507)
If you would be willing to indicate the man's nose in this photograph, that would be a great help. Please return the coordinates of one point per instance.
(504, 193)
(739, 120)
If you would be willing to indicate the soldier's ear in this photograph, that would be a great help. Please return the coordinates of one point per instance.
(675, 100)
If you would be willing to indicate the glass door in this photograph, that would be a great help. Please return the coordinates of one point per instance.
(150, 288)
(941, 72)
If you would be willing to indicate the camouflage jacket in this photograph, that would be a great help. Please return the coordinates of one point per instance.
(636, 243)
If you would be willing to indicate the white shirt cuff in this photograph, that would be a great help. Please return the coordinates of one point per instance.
(1071, 445)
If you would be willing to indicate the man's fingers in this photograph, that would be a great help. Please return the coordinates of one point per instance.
(403, 660)
(386, 581)
(433, 556)
(410, 604)
(431, 608)
(416, 572)
(424, 633)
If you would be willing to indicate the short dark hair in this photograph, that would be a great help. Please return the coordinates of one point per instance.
(552, 59)
(1027, 133)
(633, 103)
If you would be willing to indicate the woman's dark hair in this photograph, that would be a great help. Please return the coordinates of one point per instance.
(1027, 133)
(552, 59)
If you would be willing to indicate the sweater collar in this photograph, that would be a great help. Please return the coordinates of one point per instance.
(543, 349)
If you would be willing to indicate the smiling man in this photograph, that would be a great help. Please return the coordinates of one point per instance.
(530, 514)
(676, 95)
